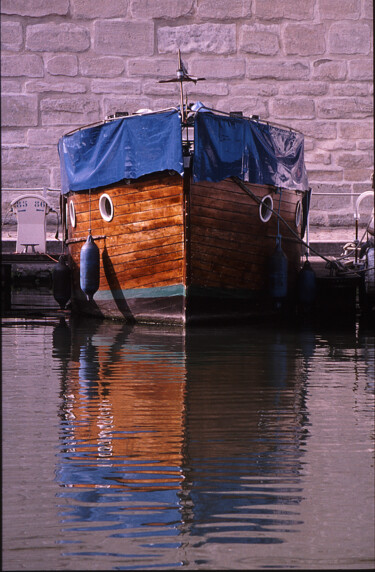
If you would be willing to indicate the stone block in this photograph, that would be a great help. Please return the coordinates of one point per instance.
(55, 175)
(331, 202)
(28, 157)
(122, 86)
(39, 86)
(349, 38)
(277, 70)
(224, 10)
(366, 145)
(304, 40)
(317, 158)
(101, 66)
(11, 86)
(354, 160)
(368, 9)
(329, 9)
(288, 9)
(341, 219)
(166, 9)
(359, 175)
(11, 36)
(361, 70)
(160, 68)
(52, 37)
(362, 187)
(19, 110)
(325, 175)
(248, 105)
(258, 89)
(35, 8)
(291, 108)
(120, 37)
(29, 65)
(154, 88)
(329, 70)
(92, 9)
(345, 107)
(338, 145)
(349, 89)
(31, 178)
(202, 38)
(218, 68)
(262, 40)
(313, 88)
(69, 110)
(11, 137)
(356, 129)
(45, 135)
(206, 88)
(64, 64)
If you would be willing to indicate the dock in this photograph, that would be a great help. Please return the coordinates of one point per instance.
(27, 277)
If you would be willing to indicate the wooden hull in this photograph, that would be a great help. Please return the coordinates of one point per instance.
(177, 251)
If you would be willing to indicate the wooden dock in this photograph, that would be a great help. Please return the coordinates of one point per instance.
(27, 278)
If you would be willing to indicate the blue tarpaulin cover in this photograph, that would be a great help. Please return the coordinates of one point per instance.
(252, 151)
(121, 149)
(224, 146)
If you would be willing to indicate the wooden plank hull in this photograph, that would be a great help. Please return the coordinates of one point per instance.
(177, 251)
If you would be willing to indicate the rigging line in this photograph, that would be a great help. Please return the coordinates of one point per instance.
(89, 211)
(252, 195)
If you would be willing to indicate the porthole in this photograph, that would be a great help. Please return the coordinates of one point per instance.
(265, 208)
(72, 214)
(298, 215)
(106, 207)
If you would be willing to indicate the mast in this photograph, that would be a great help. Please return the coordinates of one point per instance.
(180, 77)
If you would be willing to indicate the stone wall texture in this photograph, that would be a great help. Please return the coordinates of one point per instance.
(307, 64)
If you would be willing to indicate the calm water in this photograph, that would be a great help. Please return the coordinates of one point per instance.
(131, 448)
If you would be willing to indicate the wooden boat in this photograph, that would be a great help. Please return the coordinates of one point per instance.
(196, 213)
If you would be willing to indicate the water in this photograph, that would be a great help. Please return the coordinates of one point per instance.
(146, 448)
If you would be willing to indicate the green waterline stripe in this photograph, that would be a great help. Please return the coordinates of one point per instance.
(159, 292)
(174, 290)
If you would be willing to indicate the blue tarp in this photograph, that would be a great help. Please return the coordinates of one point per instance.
(121, 149)
(224, 146)
(253, 151)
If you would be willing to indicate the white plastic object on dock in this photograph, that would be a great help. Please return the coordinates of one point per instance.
(31, 211)
(356, 212)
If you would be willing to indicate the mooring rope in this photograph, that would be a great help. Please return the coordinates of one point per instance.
(332, 263)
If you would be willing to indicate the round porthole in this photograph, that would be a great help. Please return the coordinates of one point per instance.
(298, 214)
(106, 207)
(72, 214)
(265, 208)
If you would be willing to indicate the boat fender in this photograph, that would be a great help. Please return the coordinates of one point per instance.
(278, 274)
(89, 268)
(306, 286)
(61, 282)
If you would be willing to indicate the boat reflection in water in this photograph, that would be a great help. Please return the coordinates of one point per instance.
(176, 437)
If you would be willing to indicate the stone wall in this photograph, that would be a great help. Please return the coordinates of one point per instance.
(303, 63)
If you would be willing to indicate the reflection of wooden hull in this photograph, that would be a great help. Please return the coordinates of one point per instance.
(176, 252)
(142, 402)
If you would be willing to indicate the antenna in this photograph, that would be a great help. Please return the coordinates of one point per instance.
(182, 75)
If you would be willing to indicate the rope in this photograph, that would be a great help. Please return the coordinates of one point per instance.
(89, 211)
(279, 217)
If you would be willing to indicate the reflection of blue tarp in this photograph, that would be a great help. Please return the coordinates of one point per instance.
(121, 149)
(256, 152)
(224, 146)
